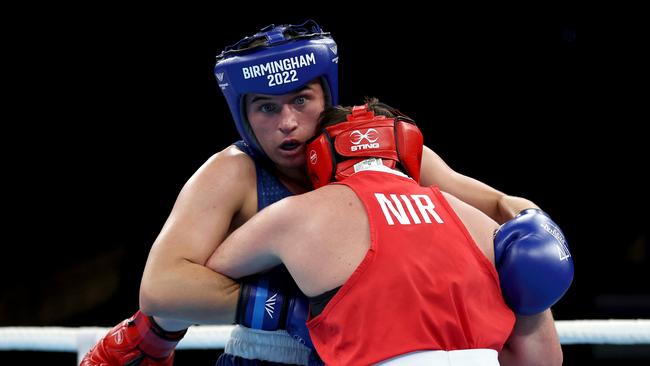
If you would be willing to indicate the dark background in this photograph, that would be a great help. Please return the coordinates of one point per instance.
(112, 109)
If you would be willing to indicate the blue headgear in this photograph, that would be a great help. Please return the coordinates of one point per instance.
(276, 60)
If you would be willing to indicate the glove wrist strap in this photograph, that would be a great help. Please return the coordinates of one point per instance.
(156, 342)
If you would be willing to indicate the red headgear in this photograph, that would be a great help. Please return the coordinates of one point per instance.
(332, 155)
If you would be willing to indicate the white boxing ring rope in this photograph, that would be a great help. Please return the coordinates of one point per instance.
(62, 339)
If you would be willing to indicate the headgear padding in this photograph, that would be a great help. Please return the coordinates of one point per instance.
(276, 60)
(333, 154)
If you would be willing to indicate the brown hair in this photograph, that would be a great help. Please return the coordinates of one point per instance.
(337, 114)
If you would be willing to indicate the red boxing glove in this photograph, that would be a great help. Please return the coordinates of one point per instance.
(136, 341)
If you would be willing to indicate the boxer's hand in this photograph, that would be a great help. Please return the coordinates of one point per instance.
(272, 301)
(297, 319)
(136, 341)
(533, 260)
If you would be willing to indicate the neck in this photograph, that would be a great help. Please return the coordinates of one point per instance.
(296, 180)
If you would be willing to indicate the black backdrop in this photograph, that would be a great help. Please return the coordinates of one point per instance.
(114, 109)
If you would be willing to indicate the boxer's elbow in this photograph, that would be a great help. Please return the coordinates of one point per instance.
(152, 299)
(159, 291)
(557, 358)
(189, 291)
(533, 341)
(549, 357)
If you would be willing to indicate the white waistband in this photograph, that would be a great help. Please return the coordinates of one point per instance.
(463, 357)
(275, 346)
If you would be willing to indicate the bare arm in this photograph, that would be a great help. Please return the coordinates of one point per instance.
(498, 205)
(255, 246)
(307, 245)
(176, 286)
(534, 341)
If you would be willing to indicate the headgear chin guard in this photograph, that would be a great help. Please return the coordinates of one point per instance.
(276, 60)
(332, 155)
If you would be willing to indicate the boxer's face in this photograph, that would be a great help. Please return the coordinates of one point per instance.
(283, 123)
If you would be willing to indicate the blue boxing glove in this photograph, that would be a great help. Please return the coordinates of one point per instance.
(272, 301)
(297, 313)
(263, 299)
(533, 260)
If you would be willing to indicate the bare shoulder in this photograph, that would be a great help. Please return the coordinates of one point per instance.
(220, 195)
(480, 226)
(226, 165)
(226, 180)
(453, 201)
(467, 212)
(314, 225)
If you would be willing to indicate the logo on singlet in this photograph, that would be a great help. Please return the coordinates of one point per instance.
(393, 208)
(269, 305)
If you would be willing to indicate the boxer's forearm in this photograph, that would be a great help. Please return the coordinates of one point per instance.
(255, 246)
(189, 294)
(533, 341)
(509, 206)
